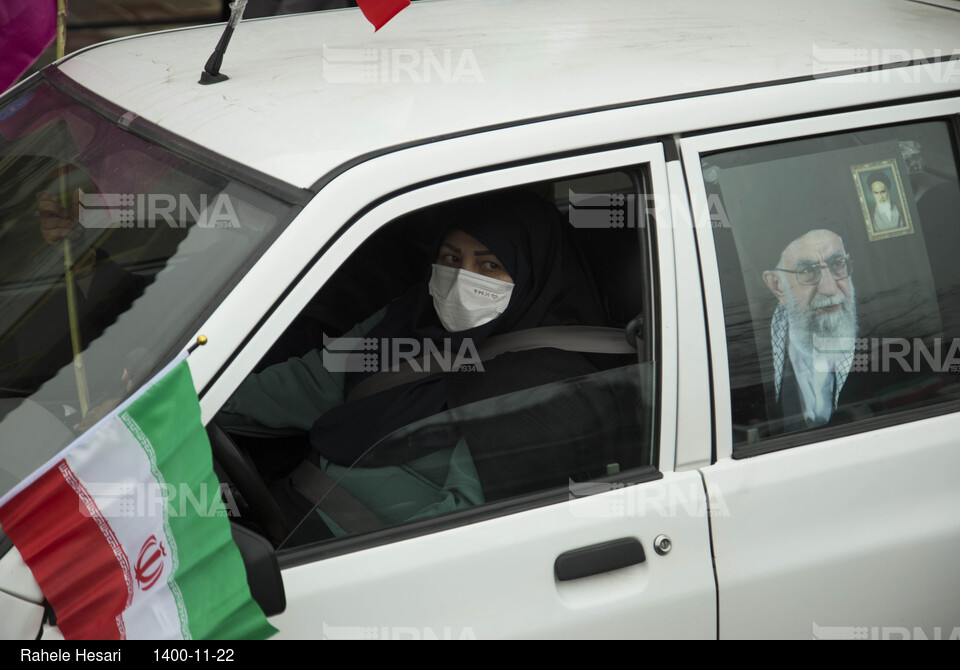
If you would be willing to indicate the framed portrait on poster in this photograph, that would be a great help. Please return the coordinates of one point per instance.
(883, 200)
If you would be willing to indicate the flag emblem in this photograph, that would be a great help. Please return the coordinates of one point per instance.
(114, 568)
(150, 563)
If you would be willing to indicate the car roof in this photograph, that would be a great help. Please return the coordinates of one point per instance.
(309, 92)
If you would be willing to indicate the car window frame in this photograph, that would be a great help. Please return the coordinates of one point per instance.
(692, 149)
(373, 217)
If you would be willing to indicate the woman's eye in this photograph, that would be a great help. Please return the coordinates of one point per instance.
(449, 259)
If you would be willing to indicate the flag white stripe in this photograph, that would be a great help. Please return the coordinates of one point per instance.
(172, 585)
(89, 507)
(118, 474)
(61, 455)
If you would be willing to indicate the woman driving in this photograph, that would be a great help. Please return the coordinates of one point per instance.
(503, 264)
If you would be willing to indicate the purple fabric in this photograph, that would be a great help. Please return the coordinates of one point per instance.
(27, 27)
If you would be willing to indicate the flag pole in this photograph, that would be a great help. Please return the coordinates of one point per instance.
(78, 369)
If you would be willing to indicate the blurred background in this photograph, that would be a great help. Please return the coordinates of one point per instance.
(92, 21)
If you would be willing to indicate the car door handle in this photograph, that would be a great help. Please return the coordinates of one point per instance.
(598, 558)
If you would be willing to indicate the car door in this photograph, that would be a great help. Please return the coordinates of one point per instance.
(621, 553)
(842, 515)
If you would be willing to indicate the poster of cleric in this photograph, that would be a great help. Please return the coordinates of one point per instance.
(815, 266)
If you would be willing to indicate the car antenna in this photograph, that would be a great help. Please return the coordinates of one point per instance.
(211, 71)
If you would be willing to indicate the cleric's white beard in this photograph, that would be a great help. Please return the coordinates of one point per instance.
(806, 323)
(884, 209)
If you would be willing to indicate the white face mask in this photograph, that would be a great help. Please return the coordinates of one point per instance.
(465, 300)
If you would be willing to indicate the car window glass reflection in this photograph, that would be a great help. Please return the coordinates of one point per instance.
(420, 408)
(837, 286)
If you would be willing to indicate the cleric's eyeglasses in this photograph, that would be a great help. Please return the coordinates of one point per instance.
(810, 273)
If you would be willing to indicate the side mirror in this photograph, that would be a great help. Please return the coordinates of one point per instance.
(263, 571)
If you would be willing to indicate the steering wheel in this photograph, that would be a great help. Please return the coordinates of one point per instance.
(244, 474)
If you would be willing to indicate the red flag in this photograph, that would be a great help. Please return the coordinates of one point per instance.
(27, 27)
(378, 12)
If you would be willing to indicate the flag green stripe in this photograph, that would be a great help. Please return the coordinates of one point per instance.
(209, 573)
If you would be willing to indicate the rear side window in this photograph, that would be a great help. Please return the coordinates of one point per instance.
(839, 276)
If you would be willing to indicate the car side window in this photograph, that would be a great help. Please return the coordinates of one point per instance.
(468, 353)
(839, 278)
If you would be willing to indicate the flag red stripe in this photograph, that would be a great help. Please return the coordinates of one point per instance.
(378, 12)
(73, 560)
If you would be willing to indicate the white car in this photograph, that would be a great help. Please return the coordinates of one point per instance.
(773, 454)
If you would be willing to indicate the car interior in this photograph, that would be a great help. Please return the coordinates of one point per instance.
(607, 415)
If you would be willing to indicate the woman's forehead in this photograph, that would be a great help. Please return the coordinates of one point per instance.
(463, 242)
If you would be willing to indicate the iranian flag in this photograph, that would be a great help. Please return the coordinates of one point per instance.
(125, 530)
(378, 12)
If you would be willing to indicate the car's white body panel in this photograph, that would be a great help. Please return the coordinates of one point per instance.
(495, 579)
(856, 532)
(536, 58)
(466, 557)
(16, 579)
(21, 608)
(21, 618)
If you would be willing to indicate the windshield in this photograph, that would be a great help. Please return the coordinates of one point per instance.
(111, 251)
